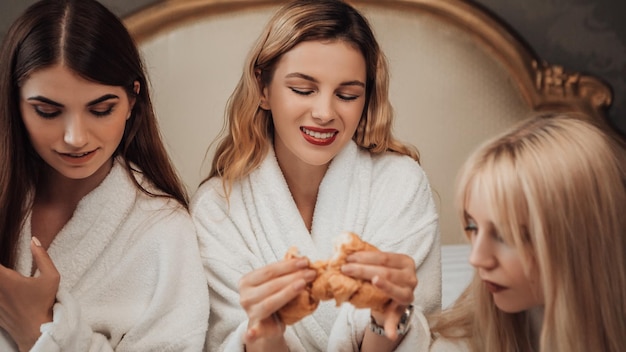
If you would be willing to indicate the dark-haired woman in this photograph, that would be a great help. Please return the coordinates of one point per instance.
(98, 251)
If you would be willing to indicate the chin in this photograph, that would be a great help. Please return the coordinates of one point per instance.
(319, 160)
(512, 308)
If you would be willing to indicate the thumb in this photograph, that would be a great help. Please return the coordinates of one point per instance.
(42, 259)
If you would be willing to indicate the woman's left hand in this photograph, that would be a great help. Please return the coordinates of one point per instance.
(392, 273)
(26, 302)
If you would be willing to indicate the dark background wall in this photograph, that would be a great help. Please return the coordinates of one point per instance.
(587, 36)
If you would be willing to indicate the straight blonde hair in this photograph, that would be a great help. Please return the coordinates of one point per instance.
(557, 189)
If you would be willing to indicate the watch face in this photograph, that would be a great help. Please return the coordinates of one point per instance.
(403, 325)
(405, 320)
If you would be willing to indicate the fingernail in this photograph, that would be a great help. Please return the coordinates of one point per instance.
(36, 241)
(346, 269)
(302, 263)
(310, 275)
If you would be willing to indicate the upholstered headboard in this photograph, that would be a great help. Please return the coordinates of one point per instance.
(458, 76)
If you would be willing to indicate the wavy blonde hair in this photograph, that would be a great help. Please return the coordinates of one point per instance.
(557, 189)
(246, 139)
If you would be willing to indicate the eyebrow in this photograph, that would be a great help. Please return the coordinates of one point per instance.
(93, 102)
(312, 79)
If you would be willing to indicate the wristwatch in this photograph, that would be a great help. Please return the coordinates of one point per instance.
(403, 325)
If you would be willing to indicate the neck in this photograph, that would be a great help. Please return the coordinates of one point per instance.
(54, 188)
(303, 181)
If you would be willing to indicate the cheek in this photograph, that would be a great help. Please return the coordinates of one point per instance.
(526, 281)
(511, 262)
(111, 129)
(116, 131)
(281, 111)
(352, 116)
(536, 287)
(38, 132)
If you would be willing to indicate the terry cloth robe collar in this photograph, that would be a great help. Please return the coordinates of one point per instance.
(276, 214)
(98, 214)
(278, 224)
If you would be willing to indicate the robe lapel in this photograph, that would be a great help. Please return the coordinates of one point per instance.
(90, 230)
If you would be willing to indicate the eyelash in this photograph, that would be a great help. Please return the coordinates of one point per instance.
(470, 228)
(347, 97)
(473, 230)
(51, 115)
(47, 115)
(308, 92)
(102, 113)
(301, 92)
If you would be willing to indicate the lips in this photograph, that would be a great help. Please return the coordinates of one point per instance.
(76, 155)
(493, 287)
(319, 136)
(78, 158)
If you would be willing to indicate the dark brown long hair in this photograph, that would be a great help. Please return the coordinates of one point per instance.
(87, 38)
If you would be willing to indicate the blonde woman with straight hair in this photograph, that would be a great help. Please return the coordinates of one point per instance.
(543, 207)
(308, 153)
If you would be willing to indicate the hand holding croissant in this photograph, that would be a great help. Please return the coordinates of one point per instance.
(332, 283)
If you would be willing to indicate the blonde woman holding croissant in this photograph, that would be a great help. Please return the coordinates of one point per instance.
(308, 153)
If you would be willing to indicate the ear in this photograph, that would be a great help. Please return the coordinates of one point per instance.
(263, 99)
(133, 99)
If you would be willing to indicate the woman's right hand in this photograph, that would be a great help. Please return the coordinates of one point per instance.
(26, 302)
(263, 292)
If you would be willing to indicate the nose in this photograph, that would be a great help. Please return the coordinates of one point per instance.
(481, 255)
(323, 111)
(76, 134)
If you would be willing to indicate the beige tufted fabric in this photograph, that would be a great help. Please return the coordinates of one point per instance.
(457, 78)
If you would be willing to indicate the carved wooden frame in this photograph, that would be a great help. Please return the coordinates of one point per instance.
(544, 86)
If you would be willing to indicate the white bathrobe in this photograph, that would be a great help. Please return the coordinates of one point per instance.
(131, 275)
(386, 199)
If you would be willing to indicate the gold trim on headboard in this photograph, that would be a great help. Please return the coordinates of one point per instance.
(167, 14)
(557, 85)
(543, 86)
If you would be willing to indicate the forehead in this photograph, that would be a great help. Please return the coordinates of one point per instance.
(60, 83)
(321, 56)
(477, 201)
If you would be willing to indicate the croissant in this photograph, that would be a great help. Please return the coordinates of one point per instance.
(304, 303)
(331, 283)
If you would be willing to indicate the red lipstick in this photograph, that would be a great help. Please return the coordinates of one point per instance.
(319, 136)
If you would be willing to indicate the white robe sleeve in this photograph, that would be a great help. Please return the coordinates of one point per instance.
(67, 332)
(156, 287)
(403, 219)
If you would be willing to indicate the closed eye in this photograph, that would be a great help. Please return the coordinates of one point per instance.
(347, 97)
(102, 112)
(47, 113)
(301, 91)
